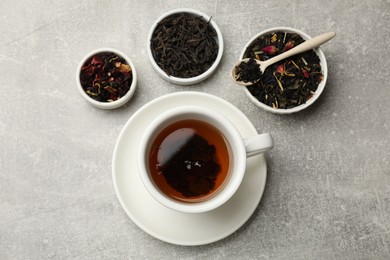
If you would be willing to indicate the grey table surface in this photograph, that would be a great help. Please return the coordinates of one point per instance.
(328, 189)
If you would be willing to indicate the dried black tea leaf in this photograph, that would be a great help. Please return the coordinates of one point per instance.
(248, 71)
(184, 45)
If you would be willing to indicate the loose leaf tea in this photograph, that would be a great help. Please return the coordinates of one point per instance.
(106, 77)
(184, 45)
(248, 71)
(290, 82)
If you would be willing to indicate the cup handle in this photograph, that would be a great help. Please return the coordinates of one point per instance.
(258, 144)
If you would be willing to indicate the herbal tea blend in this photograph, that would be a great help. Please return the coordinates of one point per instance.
(290, 82)
(106, 77)
(184, 45)
(248, 71)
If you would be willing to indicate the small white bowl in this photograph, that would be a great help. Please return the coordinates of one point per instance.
(320, 88)
(196, 79)
(113, 104)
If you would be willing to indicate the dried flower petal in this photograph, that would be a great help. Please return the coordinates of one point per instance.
(305, 73)
(274, 38)
(289, 45)
(280, 69)
(270, 49)
(96, 60)
(124, 68)
(110, 89)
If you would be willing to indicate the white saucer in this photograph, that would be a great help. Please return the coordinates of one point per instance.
(166, 224)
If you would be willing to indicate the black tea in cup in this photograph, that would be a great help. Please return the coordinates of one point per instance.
(189, 160)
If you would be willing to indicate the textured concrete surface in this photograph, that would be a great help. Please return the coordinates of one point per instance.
(328, 189)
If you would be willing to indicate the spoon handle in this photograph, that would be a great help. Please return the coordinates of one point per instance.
(305, 46)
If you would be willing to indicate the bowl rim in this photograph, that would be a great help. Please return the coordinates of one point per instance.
(320, 88)
(192, 80)
(119, 102)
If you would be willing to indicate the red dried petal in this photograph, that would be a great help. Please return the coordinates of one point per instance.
(270, 49)
(305, 73)
(280, 68)
(288, 45)
(87, 70)
(96, 60)
(86, 67)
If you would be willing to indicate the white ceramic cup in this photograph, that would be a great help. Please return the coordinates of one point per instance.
(239, 149)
